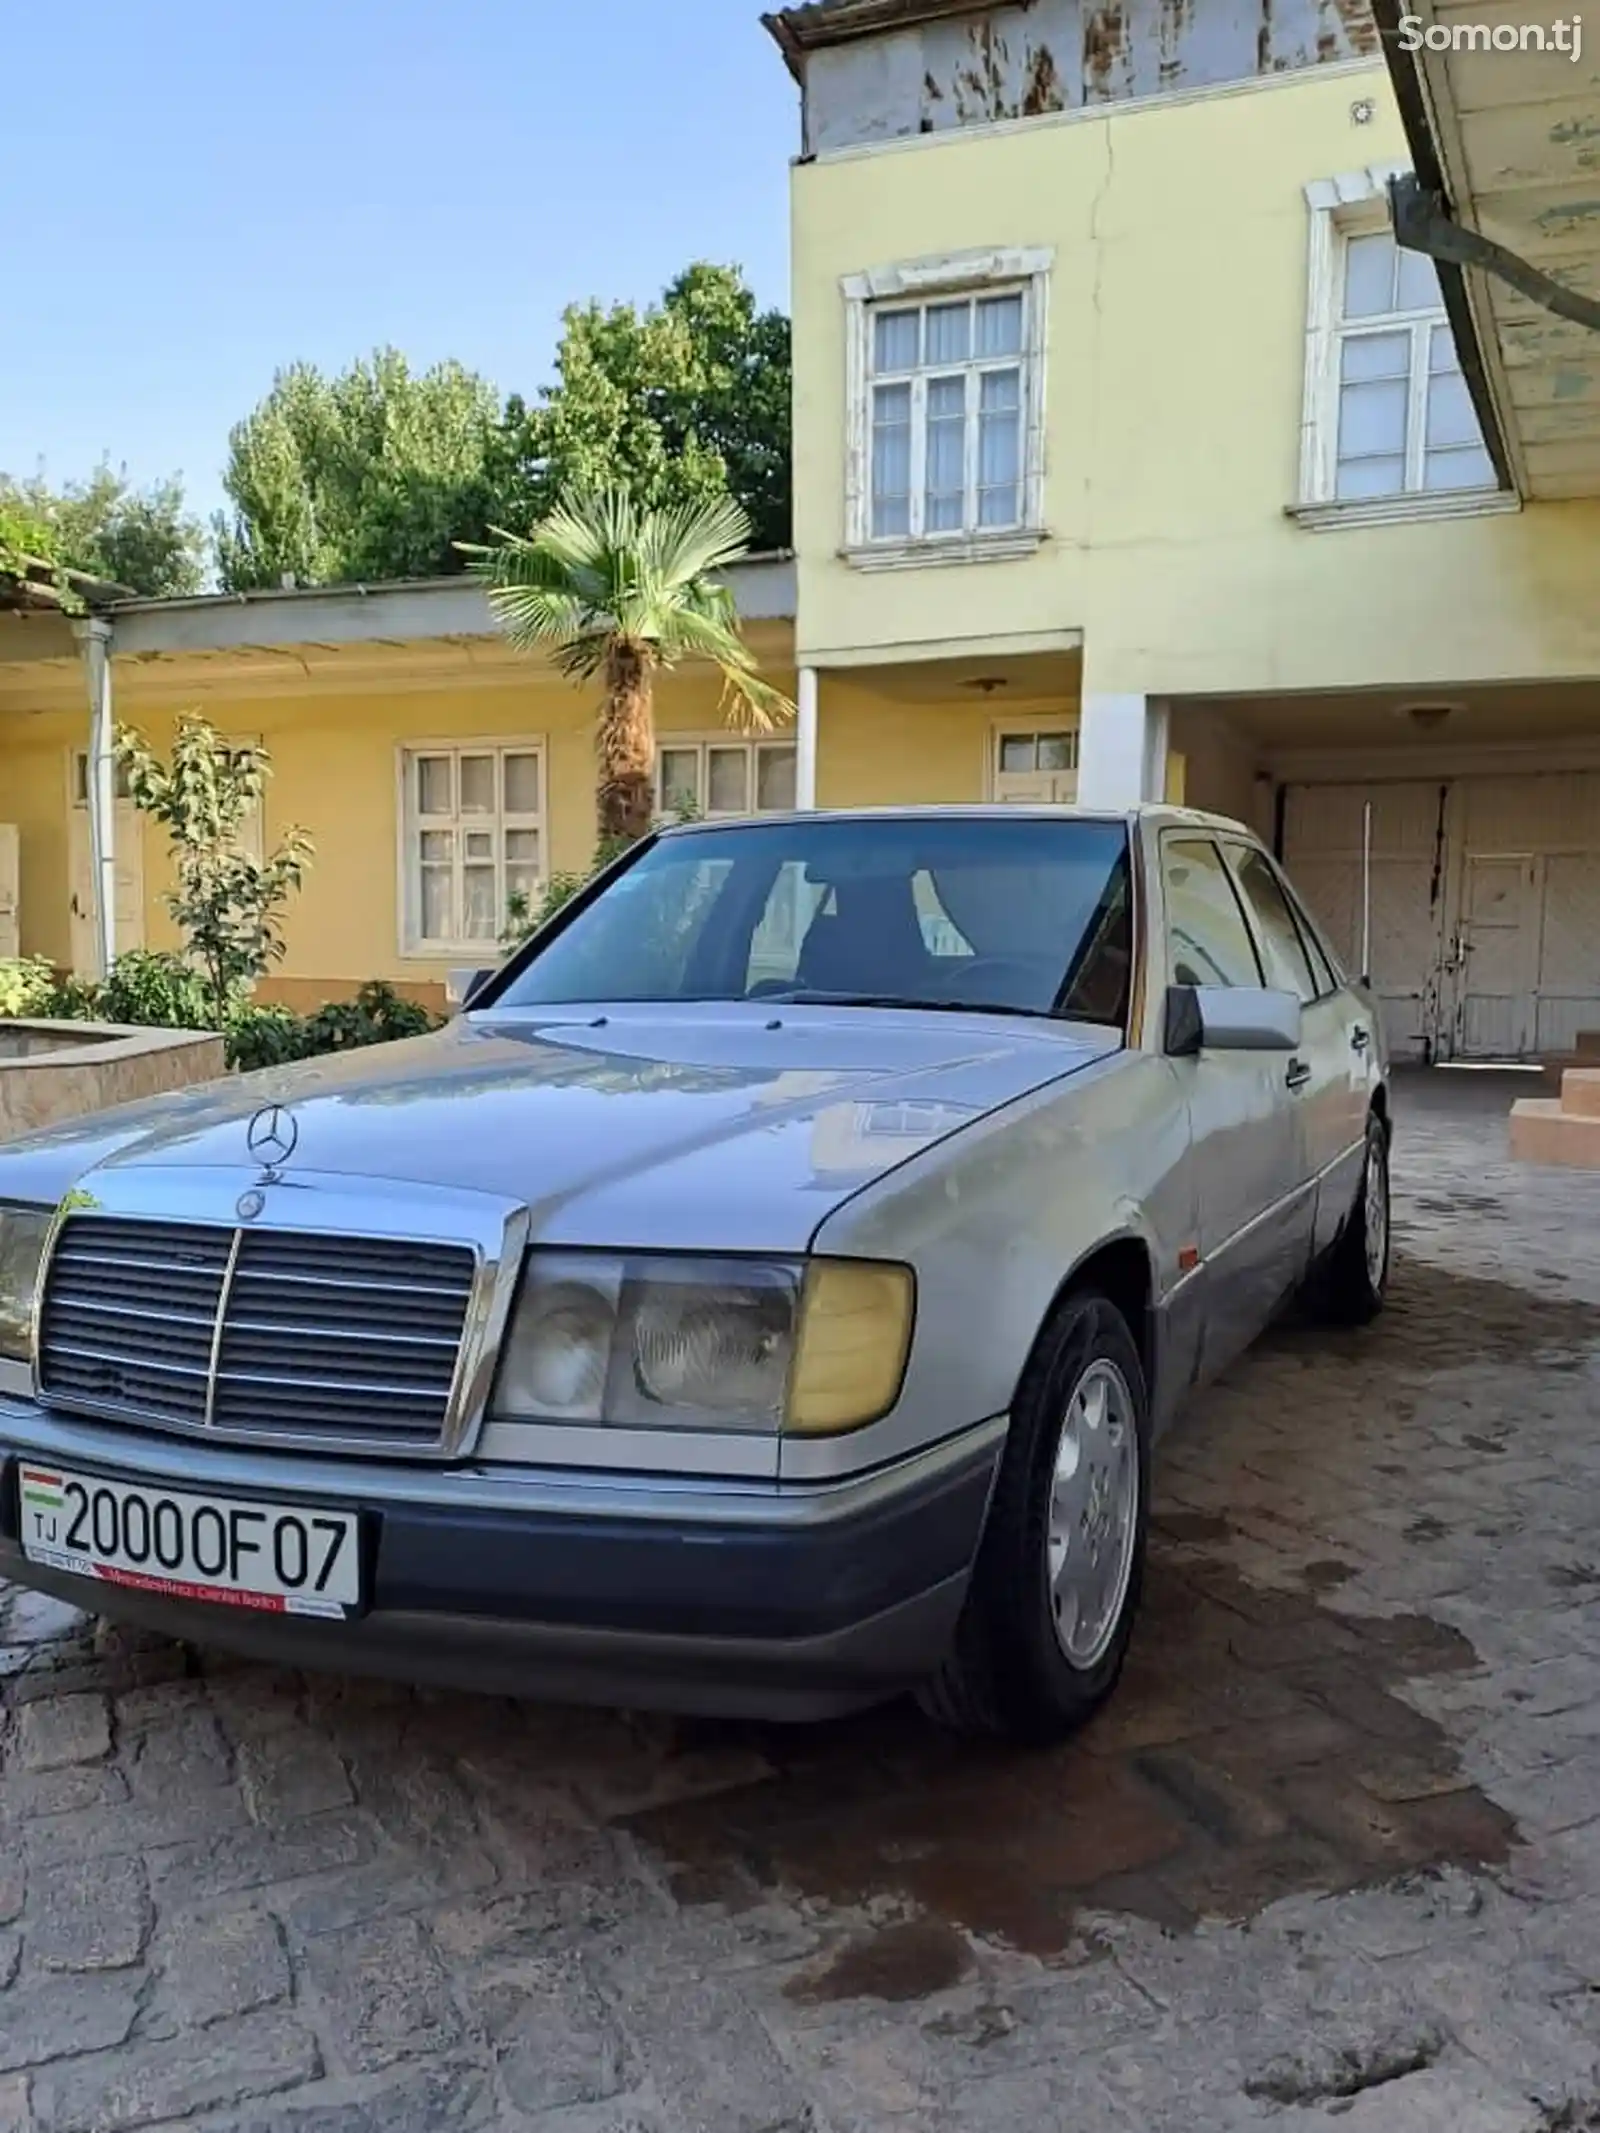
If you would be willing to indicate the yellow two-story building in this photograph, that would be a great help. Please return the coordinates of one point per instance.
(1136, 459)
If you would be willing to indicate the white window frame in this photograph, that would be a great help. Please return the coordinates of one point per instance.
(1354, 205)
(949, 274)
(681, 743)
(414, 945)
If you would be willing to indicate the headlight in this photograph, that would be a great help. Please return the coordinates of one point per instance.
(647, 1341)
(23, 1231)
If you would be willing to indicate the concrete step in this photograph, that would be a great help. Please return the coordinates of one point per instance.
(1542, 1131)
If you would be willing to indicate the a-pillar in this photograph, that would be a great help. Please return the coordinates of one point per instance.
(805, 739)
(1122, 750)
(94, 638)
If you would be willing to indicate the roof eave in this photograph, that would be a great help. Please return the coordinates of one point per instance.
(1417, 118)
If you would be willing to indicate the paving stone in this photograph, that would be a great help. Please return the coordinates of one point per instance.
(10, 1957)
(704, 2051)
(13, 1885)
(140, 1826)
(229, 1961)
(90, 1914)
(1437, 2100)
(61, 2016)
(141, 2084)
(64, 1729)
(287, 1775)
(454, 2097)
(251, 1858)
(32, 1793)
(554, 2040)
(179, 1750)
(14, 2114)
(384, 1993)
(36, 1618)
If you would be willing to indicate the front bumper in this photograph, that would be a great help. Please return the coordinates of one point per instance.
(715, 1597)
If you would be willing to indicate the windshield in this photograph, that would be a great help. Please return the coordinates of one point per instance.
(1016, 915)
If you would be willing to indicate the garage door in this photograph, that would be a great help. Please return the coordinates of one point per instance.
(1322, 851)
(1485, 905)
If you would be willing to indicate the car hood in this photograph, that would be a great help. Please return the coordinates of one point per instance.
(729, 1127)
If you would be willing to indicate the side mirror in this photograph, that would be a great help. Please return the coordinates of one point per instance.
(464, 986)
(1230, 1018)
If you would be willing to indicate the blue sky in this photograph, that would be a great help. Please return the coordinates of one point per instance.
(201, 192)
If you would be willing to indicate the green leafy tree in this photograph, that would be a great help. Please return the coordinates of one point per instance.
(683, 401)
(106, 528)
(373, 474)
(228, 904)
(617, 592)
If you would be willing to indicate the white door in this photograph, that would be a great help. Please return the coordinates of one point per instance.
(1527, 946)
(129, 855)
(10, 891)
(1322, 854)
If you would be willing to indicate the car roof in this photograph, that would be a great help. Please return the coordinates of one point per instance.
(1161, 814)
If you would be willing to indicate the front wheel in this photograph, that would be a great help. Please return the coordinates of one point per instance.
(1352, 1286)
(1056, 1586)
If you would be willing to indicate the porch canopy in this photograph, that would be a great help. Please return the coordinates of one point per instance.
(1501, 105)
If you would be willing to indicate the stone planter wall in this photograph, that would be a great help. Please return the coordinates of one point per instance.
(50, 1071)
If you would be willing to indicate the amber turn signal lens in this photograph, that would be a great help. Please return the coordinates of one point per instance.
(855, 1334)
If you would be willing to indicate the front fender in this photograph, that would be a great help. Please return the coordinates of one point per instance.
(995, 1221)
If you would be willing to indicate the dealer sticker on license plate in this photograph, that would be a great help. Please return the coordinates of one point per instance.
(236, 1554)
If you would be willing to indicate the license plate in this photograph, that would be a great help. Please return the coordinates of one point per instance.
(264, 1556)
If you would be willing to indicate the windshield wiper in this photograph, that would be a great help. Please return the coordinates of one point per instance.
(889, 999)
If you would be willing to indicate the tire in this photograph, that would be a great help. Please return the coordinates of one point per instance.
(1351, 1287)
(1020, 1669)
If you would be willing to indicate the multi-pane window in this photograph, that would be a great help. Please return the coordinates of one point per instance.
(474, 838)
(1405, 421)
(946, 396)
(1033, 764)
(725, 777)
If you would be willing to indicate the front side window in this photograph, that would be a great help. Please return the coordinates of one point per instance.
(1027, 917)
(946, 397)
(474, 836)
(1206, 933)
(1402, 418)
(1287, 961)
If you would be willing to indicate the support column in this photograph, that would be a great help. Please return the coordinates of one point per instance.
(1122, 751)
(94, 635)
(805, 739)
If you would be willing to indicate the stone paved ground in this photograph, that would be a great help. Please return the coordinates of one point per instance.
(1332, 1860)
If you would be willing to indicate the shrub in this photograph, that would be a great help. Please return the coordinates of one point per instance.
(156, 990)
(259, 1036)
(377, 1015)
(27, 986)
(228, 905)
(256, 1037)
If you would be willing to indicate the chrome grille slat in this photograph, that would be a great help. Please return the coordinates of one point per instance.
(268, 1334)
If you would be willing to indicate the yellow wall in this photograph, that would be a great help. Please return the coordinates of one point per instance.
(882, 741)
(1173, 395)
(334, 773)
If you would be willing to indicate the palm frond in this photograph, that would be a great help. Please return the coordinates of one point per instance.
(689, 542)
(600, 572)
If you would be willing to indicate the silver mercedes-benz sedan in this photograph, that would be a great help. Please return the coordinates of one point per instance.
(763, 1298)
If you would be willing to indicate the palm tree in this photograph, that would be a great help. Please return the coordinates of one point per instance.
(625, 592)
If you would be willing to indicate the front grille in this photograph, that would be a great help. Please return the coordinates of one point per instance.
(255, 1333)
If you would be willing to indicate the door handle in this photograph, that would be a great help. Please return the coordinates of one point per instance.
(1359, 1040)
(1297, 1074)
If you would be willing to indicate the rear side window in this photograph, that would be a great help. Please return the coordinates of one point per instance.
(1206, 933)
(1288, 963)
